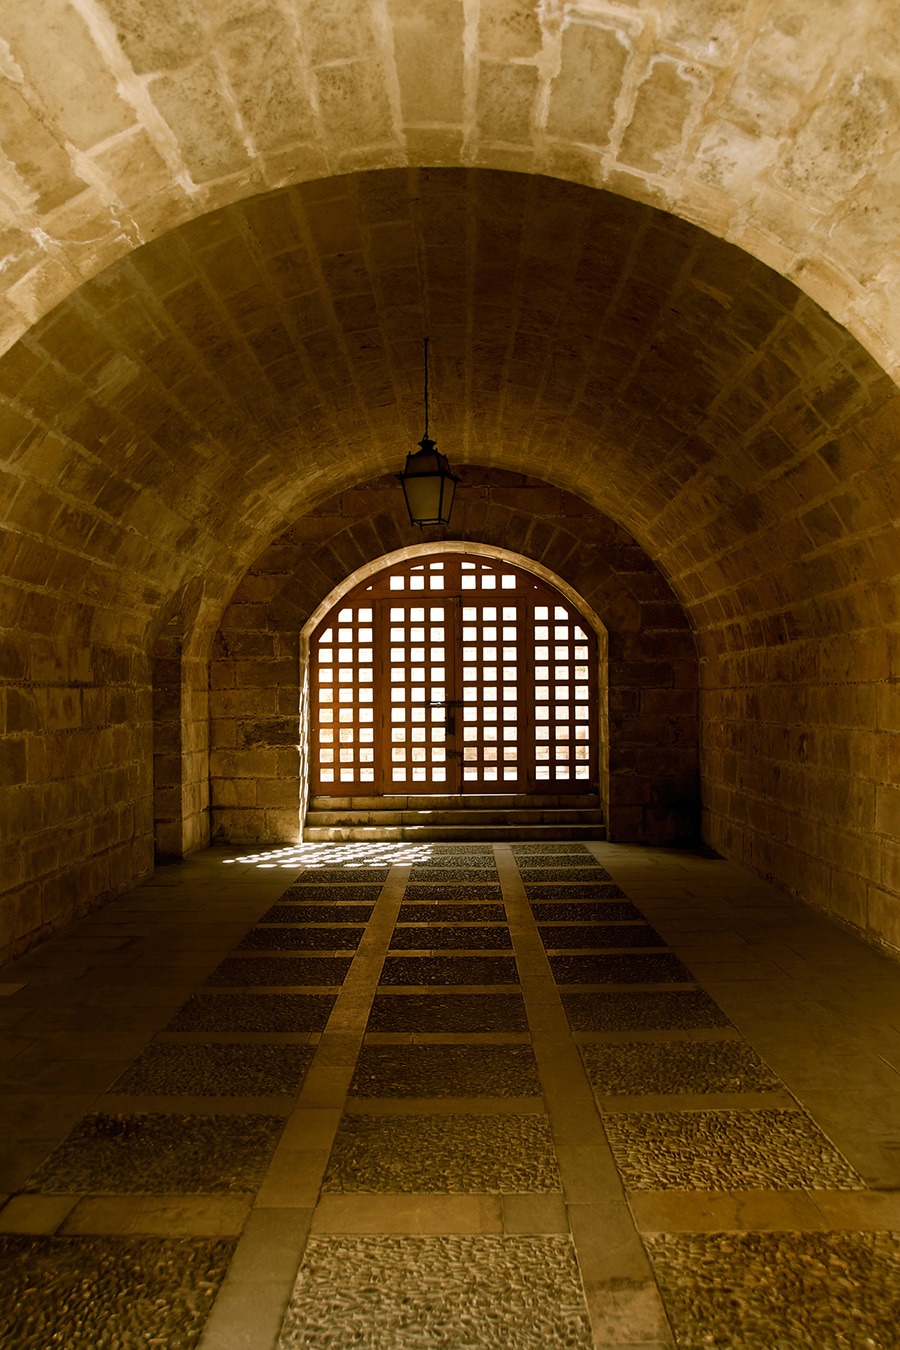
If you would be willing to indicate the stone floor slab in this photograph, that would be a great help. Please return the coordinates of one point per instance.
(547, 890)
(407, 1292)
(476, 873)
(108, 1292)
(549, 850)
(451, 913)
(636, 969)
(442, 894)
(437, 1154)
(198, 1070)
(585, 911)
(564, 936)
(574, 864)
(436, 936)
(339, 912)
(147, 1154)
(253, 1013)
(580, 876)
(780, 1291)
(333, 893)
(440, 1012)
(446, 1071)
(235, 972)
(647, 1011)
(301, 937)
(680, 1066)
(334, 876)
(438, 970)
(726, 1150)
(462, 857)
(485, 850)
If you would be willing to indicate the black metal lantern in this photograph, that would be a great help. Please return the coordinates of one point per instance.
(427, 481)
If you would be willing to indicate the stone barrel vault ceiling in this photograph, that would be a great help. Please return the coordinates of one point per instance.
(176, 413)
(771, 123)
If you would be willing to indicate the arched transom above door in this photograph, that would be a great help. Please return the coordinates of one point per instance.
(453, 674)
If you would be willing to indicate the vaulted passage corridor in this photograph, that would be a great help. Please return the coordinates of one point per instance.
(397, 1095)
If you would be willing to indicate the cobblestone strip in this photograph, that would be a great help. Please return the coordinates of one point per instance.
(622, 1298)
(251, 1303)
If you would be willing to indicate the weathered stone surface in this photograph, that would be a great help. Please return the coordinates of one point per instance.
(676, 1066)
(161, 1154)
(425, 970)
(478, 1291)
(585, 911)
(561, 936)
(437, 1154)
(264, 970)
(425, 937)
(253, 1012)
(446, 1071)
(313, 914)
(742, 1287)
(726, 1150)
(215, 1071)
(473, 873)
(448, 1012)
(322, 876)
(585, 890)
(450, 913)
(658, 1010)
(108, 1291)
(442, 894)
(336, 894)
(301, 937)
(625, 969)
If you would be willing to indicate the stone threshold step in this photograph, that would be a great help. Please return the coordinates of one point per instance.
(449, 833)
(499, 801)
(577, 816)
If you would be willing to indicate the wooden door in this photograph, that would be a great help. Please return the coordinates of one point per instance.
(453, 675)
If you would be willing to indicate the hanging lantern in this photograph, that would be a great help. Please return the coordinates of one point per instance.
(427, 481)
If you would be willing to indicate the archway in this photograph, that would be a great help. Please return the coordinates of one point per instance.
(453, 675)
(259, 685)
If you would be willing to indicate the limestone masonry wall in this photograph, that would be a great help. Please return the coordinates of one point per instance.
(75, 790)
(651, 790)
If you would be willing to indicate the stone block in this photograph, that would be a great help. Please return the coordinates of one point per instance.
(506, 101)
(429, 38)
(593, 57)
(887, 810)
(653, 138)
(55, 50)
(354, 104)
(883, 915)
(193, 106)
(264, 69)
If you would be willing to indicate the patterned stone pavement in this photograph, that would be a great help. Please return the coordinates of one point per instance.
(389, 1096)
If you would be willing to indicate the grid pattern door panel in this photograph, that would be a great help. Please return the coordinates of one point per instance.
(491, 712)
(564, 727)
(417, 697)
(343, 702)
(454, 674)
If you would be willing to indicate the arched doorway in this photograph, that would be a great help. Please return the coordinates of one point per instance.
(451, 674)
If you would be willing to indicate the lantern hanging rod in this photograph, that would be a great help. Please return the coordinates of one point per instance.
(428, 482)
(425, 350)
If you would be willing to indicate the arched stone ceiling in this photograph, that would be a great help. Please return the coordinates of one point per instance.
(169, 419)
(771, 123)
